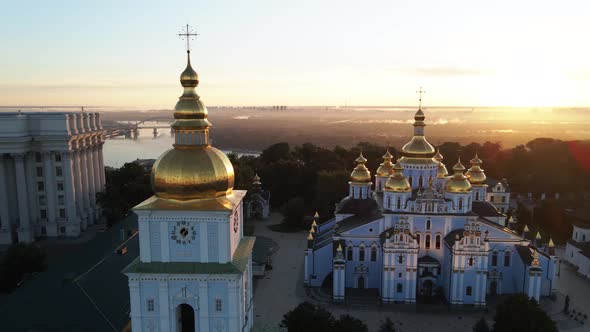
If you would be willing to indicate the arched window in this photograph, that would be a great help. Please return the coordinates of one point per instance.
(470, 261)
(468, 291)
(362, 253)
(400, 288)
(400, 259)
(349, 253)
(418, 238)
(399, 203)
(420, 181)
(437, 241)
(373, 254)
(495, 258)
(460, 204)
(477, 195)
(410, 180)
(507, 258)
(428, 224)
(427, 242)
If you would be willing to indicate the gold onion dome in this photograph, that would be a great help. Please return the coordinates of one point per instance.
(441, 171)
(418, 146)
(398, 182)
(360, 174)
(256, 180)
(475, 173)
(193, 169)
(386, 167)
(458, 183)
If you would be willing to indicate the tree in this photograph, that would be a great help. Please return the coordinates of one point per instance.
(18, 260)
(276, 152)
(347, 323)
(125, 187)
(481, 326)
(294, 211)
(518, 313)
(387, 326)
(307, 317)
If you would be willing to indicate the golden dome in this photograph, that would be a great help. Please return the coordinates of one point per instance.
(441, 171)
(418, 146)
(438, 156)
(361, 173)
(458, 183)
(386, 167)
(192, 169)
(475, 173)
(398, 182)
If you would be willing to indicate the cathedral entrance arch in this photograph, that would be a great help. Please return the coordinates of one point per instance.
(361, 282)
(493, 288)
(185, 318)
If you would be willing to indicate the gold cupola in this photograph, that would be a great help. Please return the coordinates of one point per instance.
(458, 183)
(475, 173)
(441, 171)
(386, 167)
(418, 146)
(360, 174)
(398, 182)
(193, 169)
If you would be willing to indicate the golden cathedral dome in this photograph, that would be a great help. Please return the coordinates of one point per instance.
(476, 174)
(441, 171)
(398, 182)
(360, 174)
(418, 146)
(193, 169)
(458, 183)
(386, 167)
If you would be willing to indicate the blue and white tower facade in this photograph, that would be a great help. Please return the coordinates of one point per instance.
(423, 232)
(194, 271)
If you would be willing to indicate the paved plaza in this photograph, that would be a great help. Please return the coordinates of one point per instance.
(52, 301)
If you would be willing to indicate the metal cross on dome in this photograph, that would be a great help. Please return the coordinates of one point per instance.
(420, 92)
(188, 34)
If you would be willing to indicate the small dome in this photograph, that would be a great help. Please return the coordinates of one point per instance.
(458, 184)
(441, 171)
(361, 173)
(398, 182)
(192, 173)
(458, 166)
(438, 156)
(475, 173)
(386, 167)
(418, 146)
(189, 77)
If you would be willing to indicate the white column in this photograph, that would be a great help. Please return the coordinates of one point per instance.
(135, 304)
(90, 175)
(82, 214)
(101, 166)
(5, 229)
(202, 314)
(50, 192)
(164, 306)
(233, 308)
(32, 190)
(84, 178)
(96, 167)
(24, 230)
(72, 222)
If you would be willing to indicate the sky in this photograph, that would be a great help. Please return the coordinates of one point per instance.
(278, 52)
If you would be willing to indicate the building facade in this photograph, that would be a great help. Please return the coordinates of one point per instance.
(257, 201)
(421, 232)
(577, 249)
(194, 272)
(51, 167)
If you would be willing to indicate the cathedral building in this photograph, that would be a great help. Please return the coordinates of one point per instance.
(194, 271)
(51, 167)
(414, 231)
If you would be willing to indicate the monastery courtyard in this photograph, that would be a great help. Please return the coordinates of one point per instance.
(282, 289)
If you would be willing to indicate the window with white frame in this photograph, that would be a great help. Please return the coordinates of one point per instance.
(218, 305)
(150, 305)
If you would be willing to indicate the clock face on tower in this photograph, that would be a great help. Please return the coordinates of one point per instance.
(183, 232)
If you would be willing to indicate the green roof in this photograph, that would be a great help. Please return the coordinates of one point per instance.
(236, 266)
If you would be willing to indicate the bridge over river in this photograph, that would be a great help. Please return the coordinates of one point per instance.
(131, 129)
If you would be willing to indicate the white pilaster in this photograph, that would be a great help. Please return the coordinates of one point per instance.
(5, 227)
(203, 313)
(80, 208)
(24, 230)
(164, 242)
(135, 304)
(72, 223)
(164, 306)
(96, 169)
(84, 178)
(32, 191)
(91, 177)
(50, 192)
(234, 308)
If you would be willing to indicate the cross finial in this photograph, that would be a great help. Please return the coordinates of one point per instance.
(187, 34)
(420, 92)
